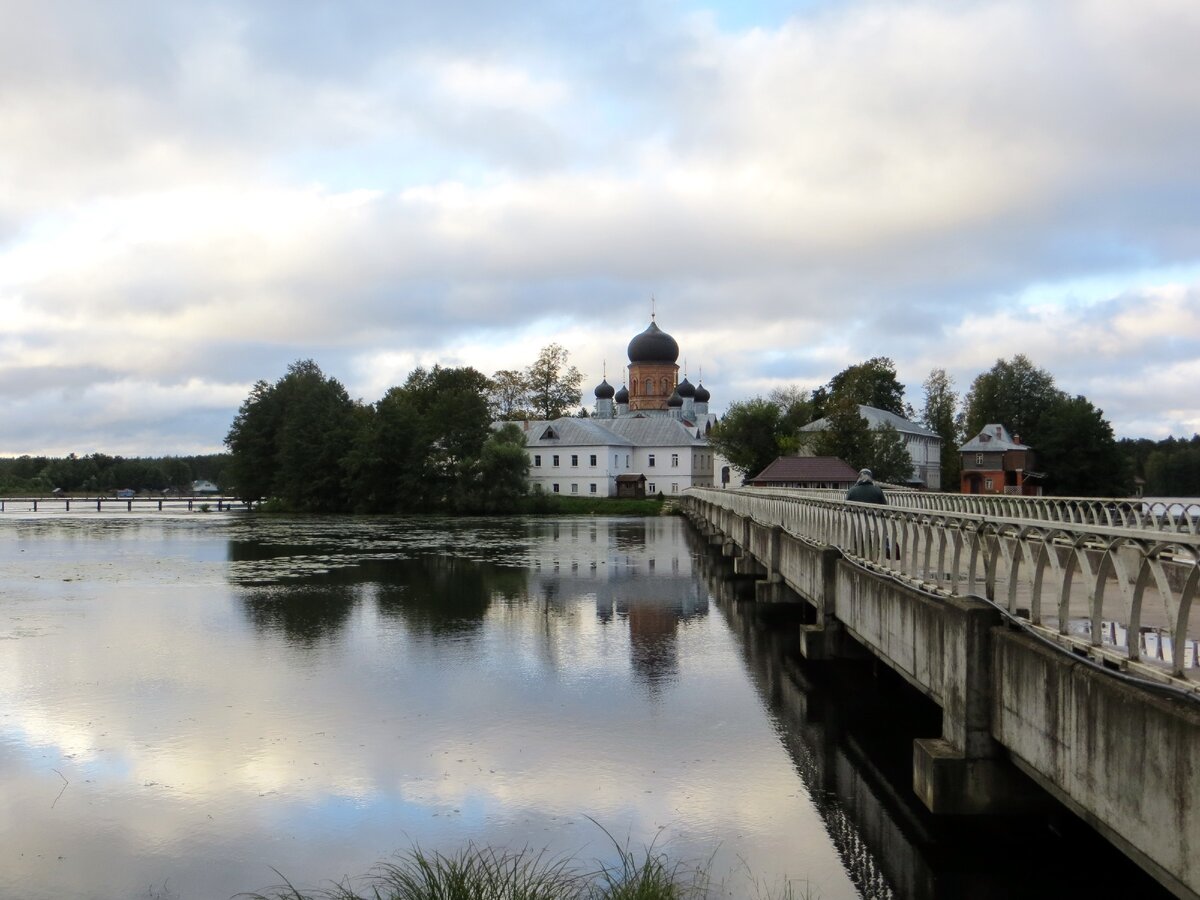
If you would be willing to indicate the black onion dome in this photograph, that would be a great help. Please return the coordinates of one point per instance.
(675, 401)
(685, 388)
(702, 394)
(622, 395)
(604, 390)
(653, 345)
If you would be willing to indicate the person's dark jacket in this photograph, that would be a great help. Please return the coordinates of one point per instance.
(866, 492)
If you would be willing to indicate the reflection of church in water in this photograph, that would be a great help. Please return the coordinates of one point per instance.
(638, 572)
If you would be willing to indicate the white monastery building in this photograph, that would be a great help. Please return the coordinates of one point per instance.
(654, 429)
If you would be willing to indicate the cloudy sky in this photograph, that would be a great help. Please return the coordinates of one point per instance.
(195, 194)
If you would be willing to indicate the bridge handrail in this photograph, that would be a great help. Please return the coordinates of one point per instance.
(1037, 569)
(1166, 515)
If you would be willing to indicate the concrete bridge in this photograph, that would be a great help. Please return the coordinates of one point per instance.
(1057, 636)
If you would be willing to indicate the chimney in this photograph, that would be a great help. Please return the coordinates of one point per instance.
(999, 430)
(1016, 439)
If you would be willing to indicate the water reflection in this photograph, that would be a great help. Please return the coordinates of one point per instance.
(303, 579)
(234, 694)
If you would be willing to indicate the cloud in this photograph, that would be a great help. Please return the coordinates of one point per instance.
(194, 188)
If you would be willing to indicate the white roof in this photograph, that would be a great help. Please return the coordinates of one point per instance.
(631, 431)
(993, 438)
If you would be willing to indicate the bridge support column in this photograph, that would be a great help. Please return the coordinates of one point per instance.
(826, 638)
(963, 772)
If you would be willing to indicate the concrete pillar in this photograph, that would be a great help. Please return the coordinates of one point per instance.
(963, 772)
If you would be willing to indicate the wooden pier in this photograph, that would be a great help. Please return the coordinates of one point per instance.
(191, 503)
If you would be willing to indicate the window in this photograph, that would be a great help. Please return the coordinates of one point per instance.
(537, 459)
(592, 488)
(674, 459)
(574, 459)
(650, 488)
(556, 459)
(555, 487)
(593, 459)
(574, 488)
(979, 459)
(651, 463)
(987, 483)
(674, 487)
(627, 460)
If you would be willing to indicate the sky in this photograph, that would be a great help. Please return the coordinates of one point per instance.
(195, 194)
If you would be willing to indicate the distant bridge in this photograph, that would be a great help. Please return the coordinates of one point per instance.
(111, 502)
(1059, 637)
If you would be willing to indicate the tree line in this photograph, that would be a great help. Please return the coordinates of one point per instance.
(100, 473)
(1073, 442)
(427, 445)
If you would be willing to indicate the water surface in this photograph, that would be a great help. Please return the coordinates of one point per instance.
(188, 701)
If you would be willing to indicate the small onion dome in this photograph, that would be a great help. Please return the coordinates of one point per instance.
(675, 401)
(604, 390)
(702, 394)
(685, 388)
(653, 346)
(622, 395)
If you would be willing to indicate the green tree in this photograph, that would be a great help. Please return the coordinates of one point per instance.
(1076, 448)
(553, 385)
(796, 406)
(1014, 393)
(503, 472)
(889, 458)
(939, 415)
(252, 441)
(847, 434)
(426, 437)
(291, 440)
(751, 434)
(870, 383)
(508, 396)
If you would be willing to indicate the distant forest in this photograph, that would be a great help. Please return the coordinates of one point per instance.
(1170, 468)
(98, 472)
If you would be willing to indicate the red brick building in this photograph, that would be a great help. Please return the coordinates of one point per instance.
(995, 462)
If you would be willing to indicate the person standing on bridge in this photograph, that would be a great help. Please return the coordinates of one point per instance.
(865, 490)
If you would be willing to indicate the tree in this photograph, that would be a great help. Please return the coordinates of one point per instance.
(847, 434)
(751, 435)
(291, 440)
(796, 406)
(502, 472)
(426, 438)
(252, 443)
(1076, 448)
(889, 458)
(509, 395)
(1015, 394)
(871, 383)
(939, 415)
(553, 385)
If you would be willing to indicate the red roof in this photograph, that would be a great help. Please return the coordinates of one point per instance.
(806, 470)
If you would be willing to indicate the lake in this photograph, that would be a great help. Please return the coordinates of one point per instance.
(190, 703)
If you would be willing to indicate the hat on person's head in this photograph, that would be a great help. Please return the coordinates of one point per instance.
(865, 473)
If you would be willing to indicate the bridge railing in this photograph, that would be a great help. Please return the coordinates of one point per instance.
(1124, 594)
(1151, 514)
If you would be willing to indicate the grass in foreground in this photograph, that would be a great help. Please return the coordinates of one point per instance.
(476, 873)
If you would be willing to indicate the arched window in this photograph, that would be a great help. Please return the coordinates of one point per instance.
(633, 385)
(665, 387)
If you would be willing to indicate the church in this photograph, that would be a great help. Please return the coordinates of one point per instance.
(644, 439)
